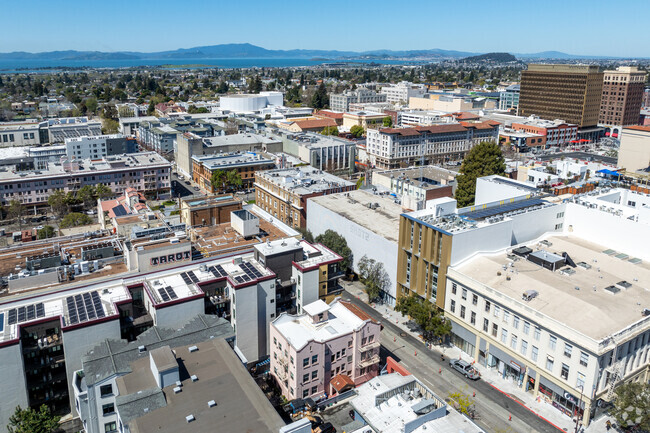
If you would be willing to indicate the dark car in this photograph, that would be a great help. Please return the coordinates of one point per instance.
(465, 368)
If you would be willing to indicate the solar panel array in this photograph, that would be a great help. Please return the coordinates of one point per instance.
(167, 293)
(23, 314)
(218, 271)
(497, 210)
(87, 306)
(250, 273)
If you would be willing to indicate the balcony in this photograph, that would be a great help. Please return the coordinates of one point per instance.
(374, 359)
(370, 346)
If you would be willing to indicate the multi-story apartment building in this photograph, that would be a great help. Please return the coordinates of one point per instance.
(554, 132)
(400, 93)
(94, 147)
(44, 334)
(245, 164)
(183, 375)
(69, 127)
(341, 101)
(283, 193)
(634, 152)
(622, 98)
(26, 133)
(325, 344)
(510, 273)
(332, 154)
(396, 147)
(157, 136)
(147, 172)
(569, 92)
(509, 98)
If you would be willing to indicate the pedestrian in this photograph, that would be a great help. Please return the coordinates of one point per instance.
(608, 425)
(442, 357)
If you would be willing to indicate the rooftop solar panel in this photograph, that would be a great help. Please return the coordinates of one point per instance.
(163, 295)
(170, 291)
(480, 214)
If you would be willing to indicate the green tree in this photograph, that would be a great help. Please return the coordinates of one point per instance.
(75, 219)
(433, 324)
(632, 405)
(374, 277)
(217, 179)
(330, 130)
(234, 180)
(86, 195)
(461, 402)
(306, 235)
(293, 95)
(357, 131)
(223, 87)
(58, 202)
(46, 232)
(15, 212)
(110, 126)
(320, 99)
(102, 191)
(484, 159)
(338, 244)
(151, 109)
(388, 122)
(31, 421)
(91, 104)
(255, 84)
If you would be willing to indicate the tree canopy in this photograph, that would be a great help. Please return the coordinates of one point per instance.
(387, 122)
(32, 421)
(484, 159)
(330, 130)
(632, 405)
(374, 276)
(357, 131)
(75, 219)
(46, 232)
(433, 324)
(320, 99)
(338, 244)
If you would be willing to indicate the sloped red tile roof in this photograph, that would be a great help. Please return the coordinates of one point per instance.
(330, 114)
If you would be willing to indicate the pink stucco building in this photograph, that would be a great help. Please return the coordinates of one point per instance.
(326, 350)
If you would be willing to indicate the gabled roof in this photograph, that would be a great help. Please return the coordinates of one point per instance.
(315, 123)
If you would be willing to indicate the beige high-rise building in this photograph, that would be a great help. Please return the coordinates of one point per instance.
(568, 92)
(622, 97)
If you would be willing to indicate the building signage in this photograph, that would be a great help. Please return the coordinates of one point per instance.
(171, 258)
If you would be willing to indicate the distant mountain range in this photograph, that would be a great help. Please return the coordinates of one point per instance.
(225, 51)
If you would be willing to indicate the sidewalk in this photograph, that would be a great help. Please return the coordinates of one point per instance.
(506, 386)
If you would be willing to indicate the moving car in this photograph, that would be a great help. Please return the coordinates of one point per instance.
(465, 368)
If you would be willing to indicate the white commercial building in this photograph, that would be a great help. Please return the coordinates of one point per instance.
(553, 295)
(400, 93)
(249, 103)
(99, 146)
(368, 222)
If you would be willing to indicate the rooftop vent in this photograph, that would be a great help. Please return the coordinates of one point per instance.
(179, 383)
(212, 403)
(624, 284)
(141, 349)
(177, 389)
(529, 295)
(194, 378)
(612, 289)
(190, 418)
(192, 349)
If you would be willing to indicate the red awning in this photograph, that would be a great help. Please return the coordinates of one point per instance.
(615, 135)
(607, 134)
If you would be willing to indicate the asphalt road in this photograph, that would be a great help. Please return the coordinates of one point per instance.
(493, 408)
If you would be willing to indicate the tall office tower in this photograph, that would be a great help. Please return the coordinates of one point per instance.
(622, 97)
(568, 92)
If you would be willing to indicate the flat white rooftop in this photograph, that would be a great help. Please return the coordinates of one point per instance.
(610, 292)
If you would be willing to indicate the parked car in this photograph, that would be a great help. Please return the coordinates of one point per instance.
(465, 368)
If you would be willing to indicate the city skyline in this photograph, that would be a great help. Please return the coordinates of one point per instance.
(119, 26)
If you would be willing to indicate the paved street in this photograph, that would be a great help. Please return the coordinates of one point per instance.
(493, 407)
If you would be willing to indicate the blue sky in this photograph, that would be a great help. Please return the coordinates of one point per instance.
(592, 27)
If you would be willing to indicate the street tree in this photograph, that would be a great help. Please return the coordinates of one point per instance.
(338, 244)
(461, 402)
(87, 196)
(433, 324)
(15, 212)
(632, 405)
(234, 180)
(58, 202)
(102, 191)
(46, 232)
(484, 159)
(330, 130)
(374, 277)
(217, 179)
(33, 421)
(75, 219)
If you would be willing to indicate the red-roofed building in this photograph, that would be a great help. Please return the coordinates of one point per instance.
(132, 202)
(402, 147)
(313, 125)
(326, 114)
